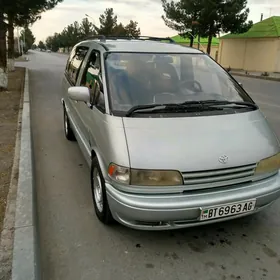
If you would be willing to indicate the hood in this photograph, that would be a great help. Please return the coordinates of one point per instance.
(197, 143)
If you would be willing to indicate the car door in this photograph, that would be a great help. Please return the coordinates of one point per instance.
(92, 116)
(72, 72)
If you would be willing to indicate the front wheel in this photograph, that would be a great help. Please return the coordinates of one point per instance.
(99, 196)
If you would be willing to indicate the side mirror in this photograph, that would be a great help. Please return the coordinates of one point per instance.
(79, 93)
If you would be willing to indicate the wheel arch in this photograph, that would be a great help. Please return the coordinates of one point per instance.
(101, 161)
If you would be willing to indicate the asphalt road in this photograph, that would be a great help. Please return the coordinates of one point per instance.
(74, 245)
(267, 95)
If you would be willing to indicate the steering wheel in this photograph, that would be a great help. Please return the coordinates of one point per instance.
(193, 83)
(164, 97)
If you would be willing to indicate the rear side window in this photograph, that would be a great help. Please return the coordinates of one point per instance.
(70, 58)
(74, 65)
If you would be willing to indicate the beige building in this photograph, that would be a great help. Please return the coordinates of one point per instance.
(256, 50)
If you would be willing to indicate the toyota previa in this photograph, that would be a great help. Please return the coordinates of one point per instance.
(171, 138)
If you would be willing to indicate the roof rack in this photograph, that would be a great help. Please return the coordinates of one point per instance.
(110, 37)
(156, 39)
(100, 37)
(143, 38)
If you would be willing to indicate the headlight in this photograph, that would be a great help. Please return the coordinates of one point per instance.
(268, 165)
(145, 177)
(155, 178)
(119, 173)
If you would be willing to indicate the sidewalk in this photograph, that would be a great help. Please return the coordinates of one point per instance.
(256, 75)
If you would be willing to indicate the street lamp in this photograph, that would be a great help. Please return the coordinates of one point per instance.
(90, 18)
(189, 31)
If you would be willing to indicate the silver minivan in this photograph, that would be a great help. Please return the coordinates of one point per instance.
(172, 140)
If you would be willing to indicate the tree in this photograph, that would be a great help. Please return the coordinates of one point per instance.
(71, 35)
(181, 15)
(213, 16)
(23, 13)
(53, 42)
(76, 32)
(119, 30)
(49, 42)
(41, 45)
(20, 13)
(108, 22)
(229, 16)
(3, 58)
(132, 29)
(109, 26)
(27, 37)
(86, 29)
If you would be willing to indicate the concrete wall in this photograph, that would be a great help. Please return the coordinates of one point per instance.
(213, 52)
(277, 62)
(249, 54)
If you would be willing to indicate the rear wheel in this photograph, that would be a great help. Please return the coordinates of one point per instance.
(69, 134)
(99, 196)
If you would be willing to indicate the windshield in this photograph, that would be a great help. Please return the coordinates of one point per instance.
(140, 79)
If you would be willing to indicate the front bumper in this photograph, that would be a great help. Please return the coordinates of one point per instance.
(169, 211)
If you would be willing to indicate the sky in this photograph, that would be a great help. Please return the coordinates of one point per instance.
(146, 12)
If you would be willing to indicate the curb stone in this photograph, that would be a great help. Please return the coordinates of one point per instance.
(24, 265)
(256, 77)
(7, 235)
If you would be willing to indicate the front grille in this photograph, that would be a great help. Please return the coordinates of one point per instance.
(219, 177)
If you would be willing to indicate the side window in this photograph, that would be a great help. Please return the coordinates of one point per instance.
(69, 59)
(75, 63)
(92, 78)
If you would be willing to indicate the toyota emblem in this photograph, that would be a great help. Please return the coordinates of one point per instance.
(223, 159)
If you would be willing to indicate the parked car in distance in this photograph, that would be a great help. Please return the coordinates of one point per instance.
(49, 51)
(171, 138)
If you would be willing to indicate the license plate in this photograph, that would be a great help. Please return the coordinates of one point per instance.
(225, 210)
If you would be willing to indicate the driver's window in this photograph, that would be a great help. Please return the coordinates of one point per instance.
(92, 79)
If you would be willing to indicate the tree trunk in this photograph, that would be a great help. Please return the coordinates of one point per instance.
(209, 43)
(11, 43)
(198, 42)
(3, 53)
(191, 41)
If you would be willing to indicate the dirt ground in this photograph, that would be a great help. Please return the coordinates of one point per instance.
(10, 102)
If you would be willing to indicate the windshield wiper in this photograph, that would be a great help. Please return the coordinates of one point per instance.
(218, 103)
(169, 107)
(142, 107)
(203, 105)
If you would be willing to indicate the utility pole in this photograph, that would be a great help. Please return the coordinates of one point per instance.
(18, 39)
(261, 16)
(23, 47)
(90, 18)
(93, 21)
(195, 22)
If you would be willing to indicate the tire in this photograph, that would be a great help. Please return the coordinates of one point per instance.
(69, 134)
(98, 189)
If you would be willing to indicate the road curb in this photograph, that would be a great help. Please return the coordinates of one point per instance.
(255, 76)
(24, 253)
(7, 234)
